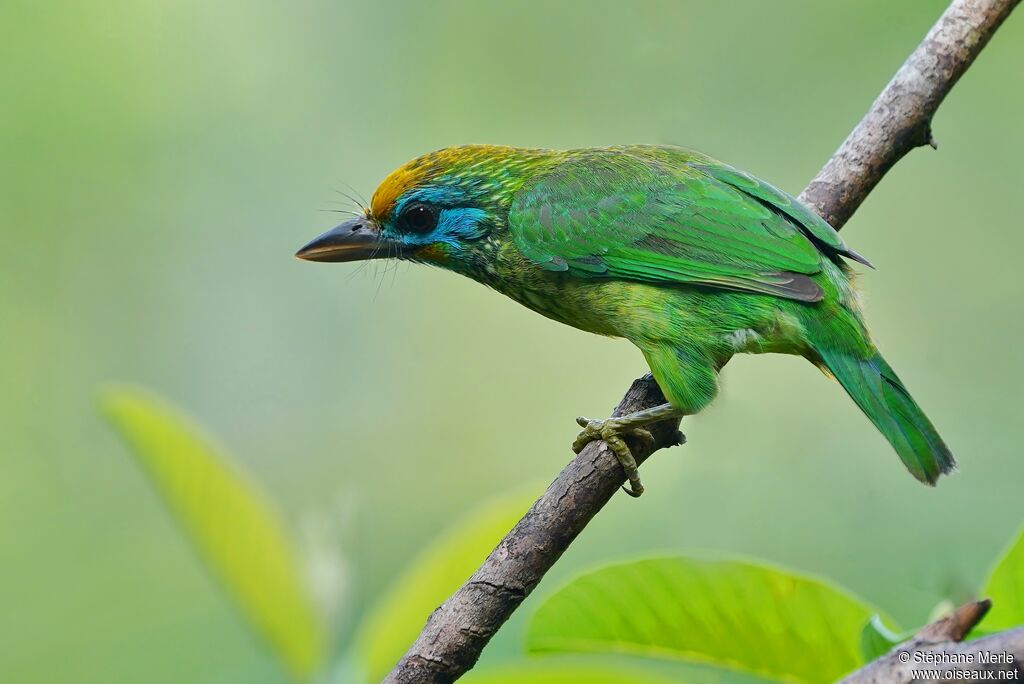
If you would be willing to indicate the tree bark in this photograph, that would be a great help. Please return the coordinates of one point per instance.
(898, 121)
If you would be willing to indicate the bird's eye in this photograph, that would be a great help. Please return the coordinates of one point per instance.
(418, 218)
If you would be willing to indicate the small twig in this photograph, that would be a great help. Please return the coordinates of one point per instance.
(898, 121)
(956, 625)
(940, 651)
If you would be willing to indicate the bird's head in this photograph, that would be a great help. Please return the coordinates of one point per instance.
(448, 208)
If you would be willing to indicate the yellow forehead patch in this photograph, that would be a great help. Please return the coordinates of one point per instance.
(392, 187)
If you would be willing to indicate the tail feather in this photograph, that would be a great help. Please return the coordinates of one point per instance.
(876, 388)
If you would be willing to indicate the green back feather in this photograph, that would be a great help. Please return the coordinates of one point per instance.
(667, 215)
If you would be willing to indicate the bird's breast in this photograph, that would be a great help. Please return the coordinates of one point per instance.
(603, 307)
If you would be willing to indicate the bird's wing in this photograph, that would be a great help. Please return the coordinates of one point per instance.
(669, 216)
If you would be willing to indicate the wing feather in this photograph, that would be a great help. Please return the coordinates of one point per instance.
(665, 215)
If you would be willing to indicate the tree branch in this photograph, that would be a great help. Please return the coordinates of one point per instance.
(900, 118)
(898, 121)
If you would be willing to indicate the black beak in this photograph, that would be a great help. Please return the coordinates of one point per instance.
(354, 240)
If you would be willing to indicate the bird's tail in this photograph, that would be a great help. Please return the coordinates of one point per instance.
(876, 388)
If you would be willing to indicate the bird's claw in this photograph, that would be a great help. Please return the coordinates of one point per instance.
(611, 432)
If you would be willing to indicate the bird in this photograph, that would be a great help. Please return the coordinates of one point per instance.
(688, 258)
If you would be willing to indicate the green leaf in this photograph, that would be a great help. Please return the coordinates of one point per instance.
(876, 639)
(564, 674)
(730, 613)
(396, 620)
(230, 520)
(1005, 586)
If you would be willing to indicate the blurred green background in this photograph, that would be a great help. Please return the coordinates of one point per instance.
(161, 161)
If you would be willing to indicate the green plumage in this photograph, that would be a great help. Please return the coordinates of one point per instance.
(662, 215)
(688, 258)
(881, 395)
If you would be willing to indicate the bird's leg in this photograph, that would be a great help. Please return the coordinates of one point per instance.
(612, 431)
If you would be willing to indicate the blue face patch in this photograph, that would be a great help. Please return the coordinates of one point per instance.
(458, 224)
(455, 224)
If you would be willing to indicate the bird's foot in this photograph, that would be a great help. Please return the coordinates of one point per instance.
(612, 431)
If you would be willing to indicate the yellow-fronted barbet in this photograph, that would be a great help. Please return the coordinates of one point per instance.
(688, 258)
